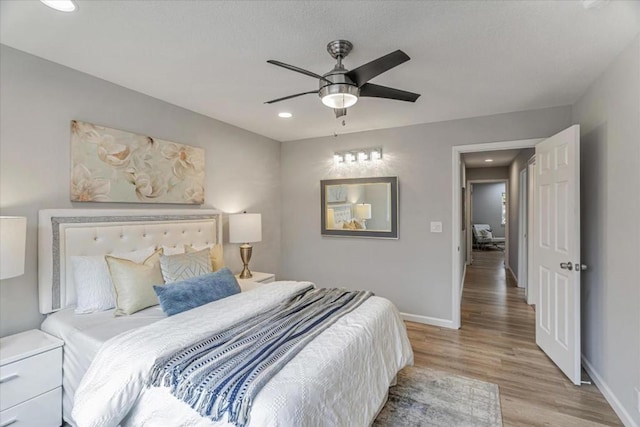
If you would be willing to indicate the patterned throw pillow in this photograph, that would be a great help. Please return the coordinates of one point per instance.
(176, 268)
(215, 253)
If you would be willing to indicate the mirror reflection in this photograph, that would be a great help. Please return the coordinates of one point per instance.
(364, 207)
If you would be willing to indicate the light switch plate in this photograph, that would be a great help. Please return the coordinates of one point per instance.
(436, 227)
(638, 398)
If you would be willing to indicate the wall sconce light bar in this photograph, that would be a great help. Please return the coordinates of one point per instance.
(361, 156)
(349, 157)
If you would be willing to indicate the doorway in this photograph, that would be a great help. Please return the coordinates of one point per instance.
(556, 237)
(460, 232)
(487, 217)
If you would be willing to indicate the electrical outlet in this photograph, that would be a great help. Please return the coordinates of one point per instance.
(436, 227)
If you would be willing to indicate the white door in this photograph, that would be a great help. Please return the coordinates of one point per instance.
(556, 248)
(532, 290)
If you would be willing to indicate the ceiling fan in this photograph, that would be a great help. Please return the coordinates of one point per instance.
(340, 88)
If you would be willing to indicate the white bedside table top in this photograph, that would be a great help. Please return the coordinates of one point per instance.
(257, 276)
(26, 344)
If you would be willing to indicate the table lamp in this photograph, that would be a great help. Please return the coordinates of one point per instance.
(363, 213)
(13, 232)
(245, 228)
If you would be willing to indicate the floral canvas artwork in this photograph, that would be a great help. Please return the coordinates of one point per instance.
(110, 165)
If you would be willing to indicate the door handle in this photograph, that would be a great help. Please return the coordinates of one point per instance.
(580, 267)
(566, 266)
(8, 378)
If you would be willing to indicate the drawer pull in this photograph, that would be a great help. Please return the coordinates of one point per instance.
(9, 422)
(5, 379)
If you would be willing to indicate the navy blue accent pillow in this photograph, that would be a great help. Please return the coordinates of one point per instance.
(196, 291)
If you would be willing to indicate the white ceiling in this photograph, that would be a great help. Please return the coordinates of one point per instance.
(469, 58)
(500, 158)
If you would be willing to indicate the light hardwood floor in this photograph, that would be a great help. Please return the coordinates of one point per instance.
(497, 344)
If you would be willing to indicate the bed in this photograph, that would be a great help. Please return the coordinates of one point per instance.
(340, 378)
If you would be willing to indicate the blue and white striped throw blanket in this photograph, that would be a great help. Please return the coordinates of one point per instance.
(223, 374)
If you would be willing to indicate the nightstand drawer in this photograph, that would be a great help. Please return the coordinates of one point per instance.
(42, 411)
(30, 377)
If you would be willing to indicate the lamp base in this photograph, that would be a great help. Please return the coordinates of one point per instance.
(245, 254)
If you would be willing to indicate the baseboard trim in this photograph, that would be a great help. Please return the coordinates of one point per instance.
(514, 276)
(625, 417)
(426, 320)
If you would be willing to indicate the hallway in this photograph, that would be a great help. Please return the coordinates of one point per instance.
(497, 344)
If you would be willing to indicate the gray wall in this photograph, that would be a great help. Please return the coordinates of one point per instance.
(487, 173)
(415, 271)
(39, 99)
(487, 206)
(518, 164)
(609, 116)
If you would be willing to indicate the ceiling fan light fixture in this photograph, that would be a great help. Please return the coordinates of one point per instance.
(61, 5)
(339, 95)
(339, 100)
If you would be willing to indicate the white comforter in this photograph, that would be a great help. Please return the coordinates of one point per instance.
(339, 379)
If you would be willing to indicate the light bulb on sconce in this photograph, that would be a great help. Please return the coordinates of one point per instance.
(349, 158)
(363, 155)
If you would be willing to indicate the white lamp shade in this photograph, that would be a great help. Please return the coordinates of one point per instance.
(331, 218)
(363, 211)
(13, 232)
(245, 228)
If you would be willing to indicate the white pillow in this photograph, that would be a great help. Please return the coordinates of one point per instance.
(94, 288)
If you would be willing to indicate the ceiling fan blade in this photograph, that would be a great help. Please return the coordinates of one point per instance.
(366, 72)
(291, 96)
(377, 91)
(298, 70)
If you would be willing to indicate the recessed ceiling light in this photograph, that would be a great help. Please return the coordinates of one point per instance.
(488, 160)
(285, 115)
(61, 5)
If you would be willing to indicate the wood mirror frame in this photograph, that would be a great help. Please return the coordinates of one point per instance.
(339, 199)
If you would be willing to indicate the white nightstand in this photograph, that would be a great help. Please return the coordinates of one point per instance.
(258, 279)
(31, 380)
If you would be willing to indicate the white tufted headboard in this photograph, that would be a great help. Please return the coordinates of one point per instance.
(63, 233)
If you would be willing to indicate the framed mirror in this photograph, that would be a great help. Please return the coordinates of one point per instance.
(359, 207)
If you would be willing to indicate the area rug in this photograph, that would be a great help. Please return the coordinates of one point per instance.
(424, 397)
